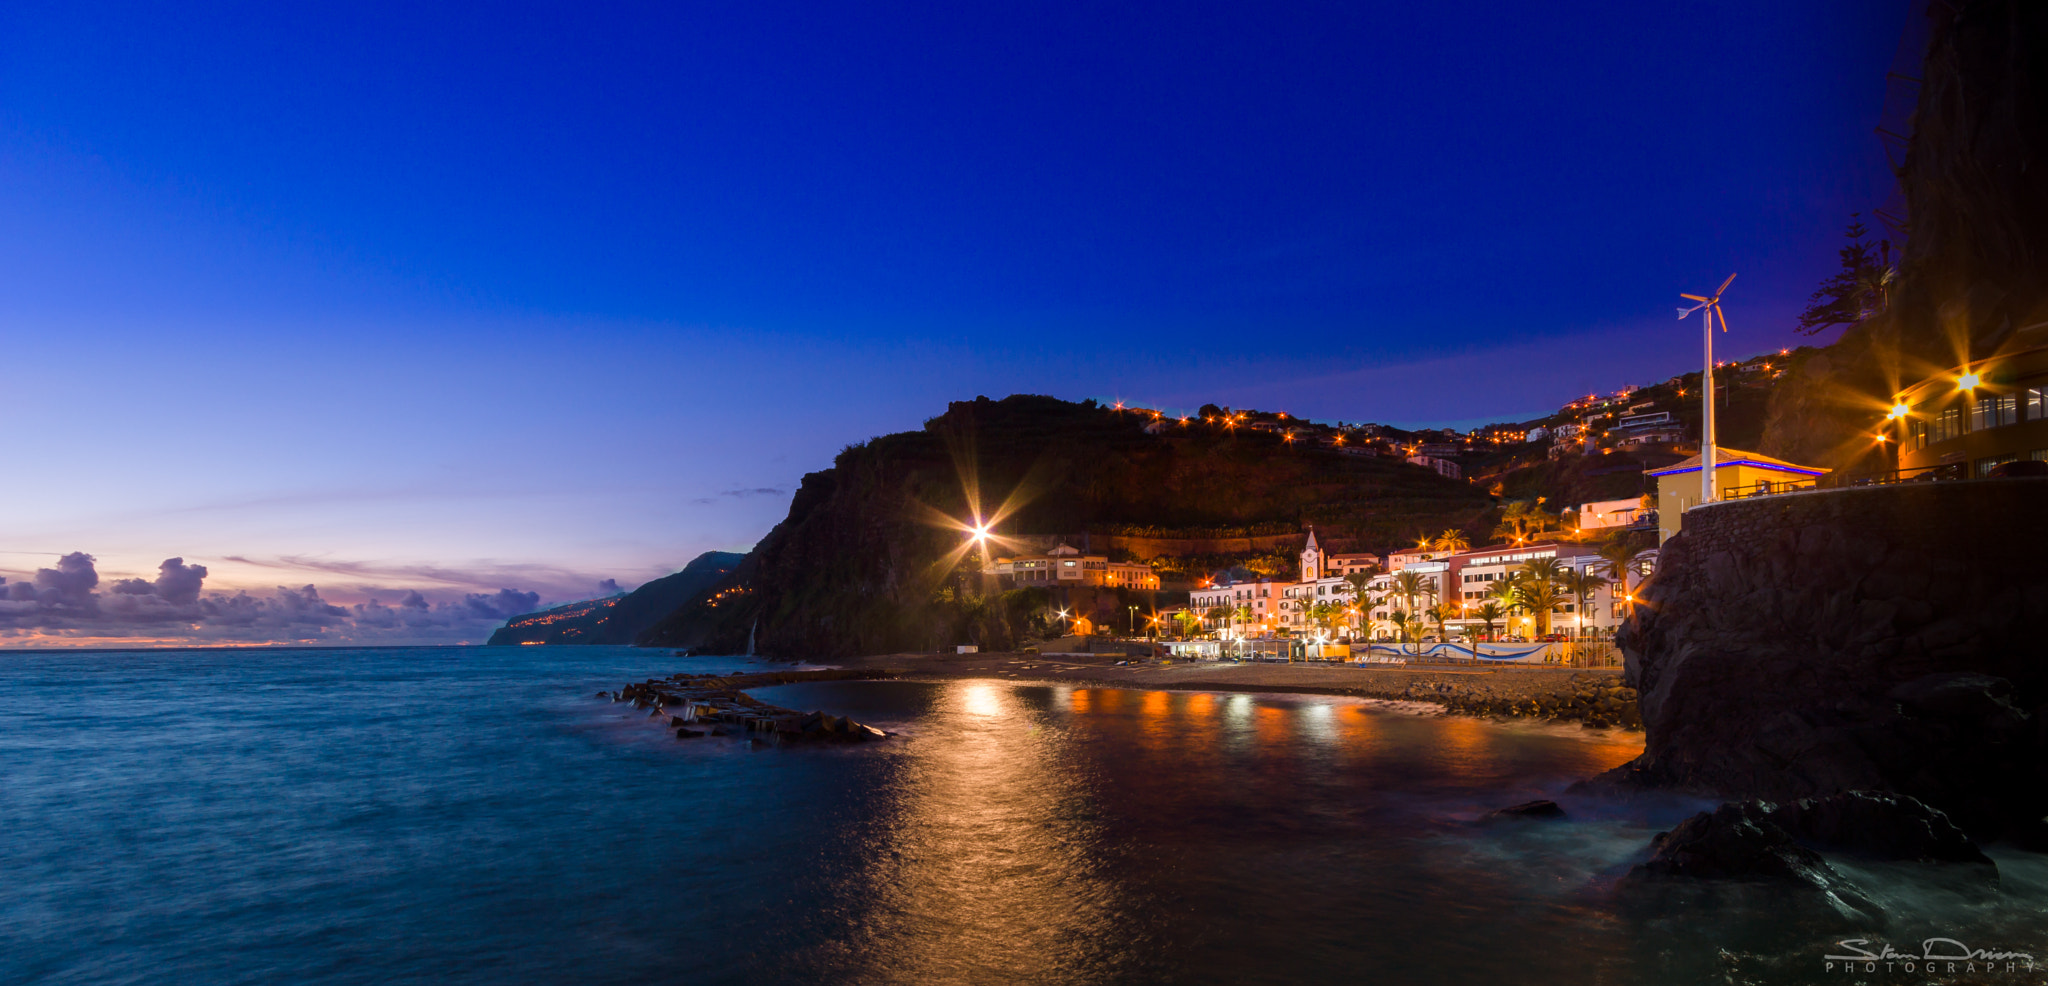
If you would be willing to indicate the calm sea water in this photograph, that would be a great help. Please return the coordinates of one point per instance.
(472, 815)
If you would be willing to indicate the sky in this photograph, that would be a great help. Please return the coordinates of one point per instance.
(445, 310)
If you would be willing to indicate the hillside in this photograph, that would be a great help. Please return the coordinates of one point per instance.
(618, 619)
(861, 566)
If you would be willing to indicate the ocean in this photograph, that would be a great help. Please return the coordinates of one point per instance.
(475, 815)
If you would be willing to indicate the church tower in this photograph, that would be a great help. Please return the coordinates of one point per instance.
(1311, 559)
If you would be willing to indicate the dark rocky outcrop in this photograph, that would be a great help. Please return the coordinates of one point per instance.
(1884, 639)
(619, 619)
(1881, 826)
(683, 700)
(1741, 841)
(867, 563)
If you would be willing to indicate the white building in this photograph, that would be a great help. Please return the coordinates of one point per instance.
(1065, 565)
(1609, 513)
(1443, 466)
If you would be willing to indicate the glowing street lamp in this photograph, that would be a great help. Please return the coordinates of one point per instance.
(1969, 381)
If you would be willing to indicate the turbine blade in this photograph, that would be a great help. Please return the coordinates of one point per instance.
(1694, 297)
(1724, 317)
(1724, 286)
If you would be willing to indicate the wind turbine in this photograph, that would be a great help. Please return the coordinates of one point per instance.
(1713, 307)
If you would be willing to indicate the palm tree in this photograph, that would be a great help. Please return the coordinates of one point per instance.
(1539, 597)
(1491, 613)
(1405, 625)
(1323, 614)
(1619, 555)
(1581, 584)
(1365, 605)
(1507, 594)
(1411, 585)
(1543, 570)
(1438, 614)
(1360, 582)
(1452, 540)
(1218, 613)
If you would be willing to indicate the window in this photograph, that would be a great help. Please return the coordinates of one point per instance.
(1919, 434)
(1948, 424)
(1984, 466)
(2005, 410)
(2036, 400)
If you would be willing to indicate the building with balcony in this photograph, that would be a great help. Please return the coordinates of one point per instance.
(1974, 418)
(1444, 467)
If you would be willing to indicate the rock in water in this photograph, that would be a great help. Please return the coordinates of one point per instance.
(1527, 809)
(1740, 841)
(1881, 825)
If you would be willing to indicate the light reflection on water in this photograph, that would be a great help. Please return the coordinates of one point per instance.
(1070, 833)
(471, 815)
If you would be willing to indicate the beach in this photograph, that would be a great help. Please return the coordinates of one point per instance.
(1597, 696)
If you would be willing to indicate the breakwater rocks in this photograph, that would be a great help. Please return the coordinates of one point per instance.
(1879, 639)
(695, 705)
(1598, 699)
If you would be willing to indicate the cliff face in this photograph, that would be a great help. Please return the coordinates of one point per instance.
(859, 564)
(619, 619)
(1882, 638)
(1975, 265)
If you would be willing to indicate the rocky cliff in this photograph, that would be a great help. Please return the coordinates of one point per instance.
(866, 559)
(1975, 265)
(1882, 638)
(619, 619)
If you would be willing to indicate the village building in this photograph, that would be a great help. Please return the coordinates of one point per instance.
(1736, 474)
(1067, 566)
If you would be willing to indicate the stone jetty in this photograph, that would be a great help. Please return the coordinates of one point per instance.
(696, 704)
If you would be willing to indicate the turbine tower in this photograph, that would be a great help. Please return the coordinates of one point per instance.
(1713, 307)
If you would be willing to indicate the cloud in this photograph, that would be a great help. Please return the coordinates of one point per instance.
(742, 494)
(65, 602)
(609, 587)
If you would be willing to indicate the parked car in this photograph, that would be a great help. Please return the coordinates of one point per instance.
(2017, 468)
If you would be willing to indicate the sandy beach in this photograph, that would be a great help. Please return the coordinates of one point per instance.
(1595, 695)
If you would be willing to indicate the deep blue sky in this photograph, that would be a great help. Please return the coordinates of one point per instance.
(509, 289)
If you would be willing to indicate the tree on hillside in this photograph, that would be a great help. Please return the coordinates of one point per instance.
(1523, 518)
(1452, 540)
(1860, 290)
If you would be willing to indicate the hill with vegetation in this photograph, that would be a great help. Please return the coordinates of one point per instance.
(621, 618)
(870, 560)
